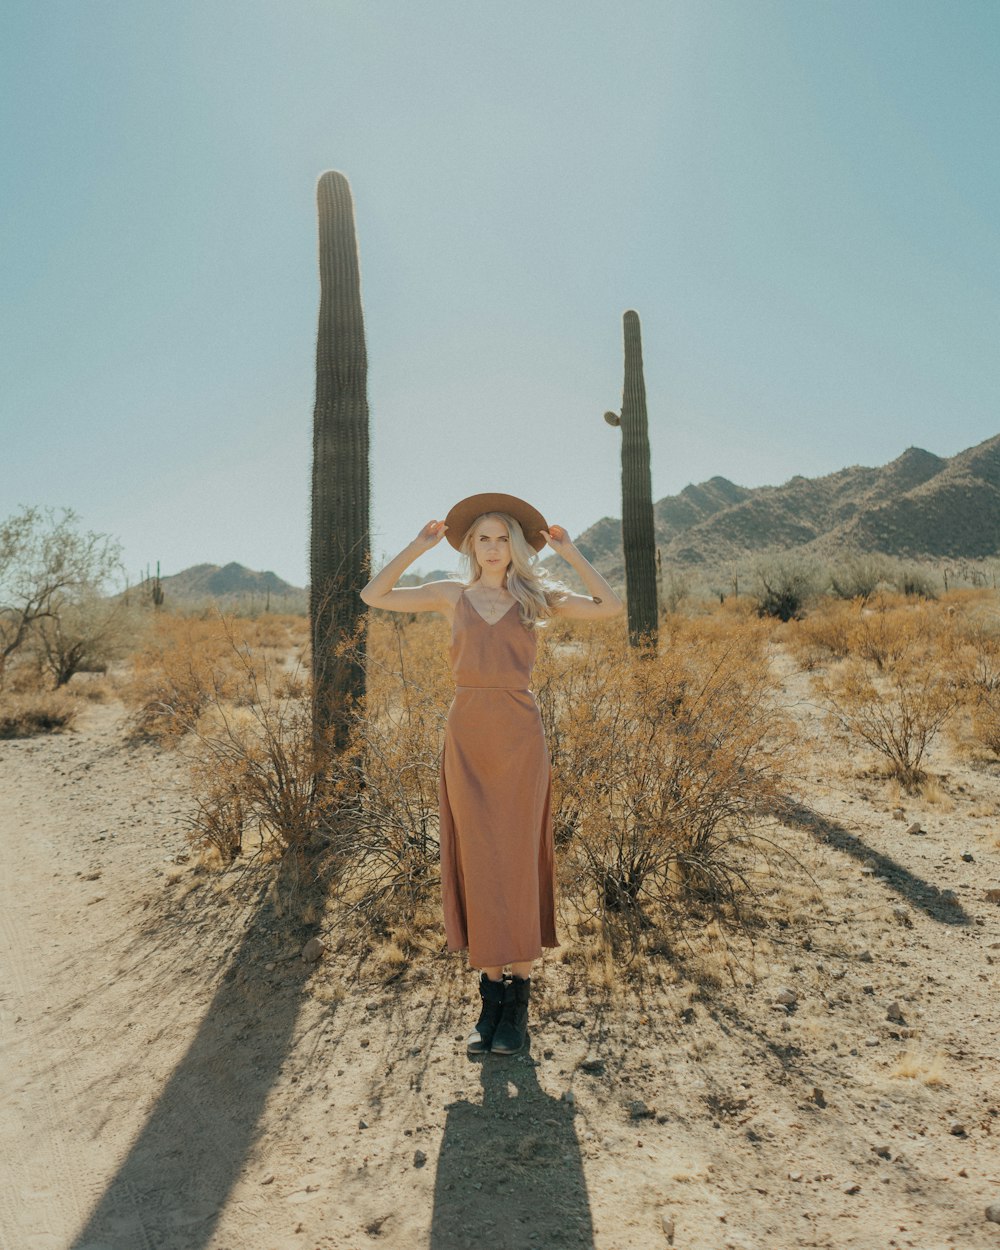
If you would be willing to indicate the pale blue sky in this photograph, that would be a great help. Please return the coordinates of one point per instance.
(801, 199)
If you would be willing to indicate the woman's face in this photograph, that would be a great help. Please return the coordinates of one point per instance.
(492, 546)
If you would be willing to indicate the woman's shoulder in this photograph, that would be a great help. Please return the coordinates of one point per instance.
(448, 588)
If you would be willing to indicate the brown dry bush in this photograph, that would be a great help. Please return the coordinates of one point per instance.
(977, 674)
(828, 632)
(187, 665)
(249, 743)
(898, 687)
(668, 769)
(24, 714)
(384, 857)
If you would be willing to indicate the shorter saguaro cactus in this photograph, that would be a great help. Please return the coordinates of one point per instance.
(638, 533)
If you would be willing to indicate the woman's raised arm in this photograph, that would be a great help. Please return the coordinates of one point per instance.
(381, 591)
(603, 601)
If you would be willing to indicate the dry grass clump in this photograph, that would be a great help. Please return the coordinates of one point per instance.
(25, 714)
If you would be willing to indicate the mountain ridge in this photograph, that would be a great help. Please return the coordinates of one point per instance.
(918, 506)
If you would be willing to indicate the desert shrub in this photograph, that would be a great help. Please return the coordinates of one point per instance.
(676, 588)
(384, 857)
(914, 582)
(85, 633)
(253, 769)
(896, 690)
(827, 633)
(783, 587)
(976, 670)
(859, 576)
(672, 764)
(23, 715)
(187, 665)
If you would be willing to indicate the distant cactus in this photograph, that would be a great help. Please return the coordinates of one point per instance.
(339, 545)
(638, 537)
(154, 586)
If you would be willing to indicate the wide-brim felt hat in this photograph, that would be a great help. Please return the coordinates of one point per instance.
(466, 511)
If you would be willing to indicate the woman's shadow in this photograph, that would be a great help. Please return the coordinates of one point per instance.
(510, 1174)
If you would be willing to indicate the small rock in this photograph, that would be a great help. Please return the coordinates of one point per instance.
(852, 1187)
(415, 1050)
(364, 1042)
(639, 1111)
(269, 967)
(362, 1124)
(883, 1152)
(868, 988)
(572, 1018)
(817, 1096)
(915, 828)
(948, 896)
(548, 1052)
(902, 915)
(794, 1176)
(786, 996)
(967, 856)
(868, 871)
(667, 1224)
(993, 1212)
(419, 1158)
(871, 1041)
(268, 1179)
(992, 896)
(592, 1063)
(898, 813)
(569, 1096)
(312, 950)
(864, 957)
(894, 1012)
(956, 1128)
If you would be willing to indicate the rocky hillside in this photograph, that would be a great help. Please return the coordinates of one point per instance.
(920, 506)
(230, 582)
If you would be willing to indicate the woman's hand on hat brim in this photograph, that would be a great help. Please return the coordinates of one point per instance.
(558, 539)
(431, 534)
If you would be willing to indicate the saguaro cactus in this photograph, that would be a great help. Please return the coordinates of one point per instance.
(638, 537)
(340, 544)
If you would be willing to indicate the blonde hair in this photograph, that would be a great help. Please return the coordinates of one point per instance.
(532, 587)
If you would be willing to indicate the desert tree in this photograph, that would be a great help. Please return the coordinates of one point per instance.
(45, 561)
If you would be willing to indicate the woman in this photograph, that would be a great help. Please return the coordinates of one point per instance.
(497, 866)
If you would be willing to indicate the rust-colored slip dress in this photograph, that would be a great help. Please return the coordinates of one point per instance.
(497, 860)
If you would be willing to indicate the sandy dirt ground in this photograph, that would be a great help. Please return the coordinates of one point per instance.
(175, 1076)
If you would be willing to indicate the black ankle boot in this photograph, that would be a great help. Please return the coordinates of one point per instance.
(512, 1031)
(491, 992)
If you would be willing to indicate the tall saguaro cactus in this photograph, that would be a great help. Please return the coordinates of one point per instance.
(339, 543)
(638, 537)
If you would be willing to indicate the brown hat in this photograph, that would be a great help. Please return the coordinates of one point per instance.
(466, 511)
